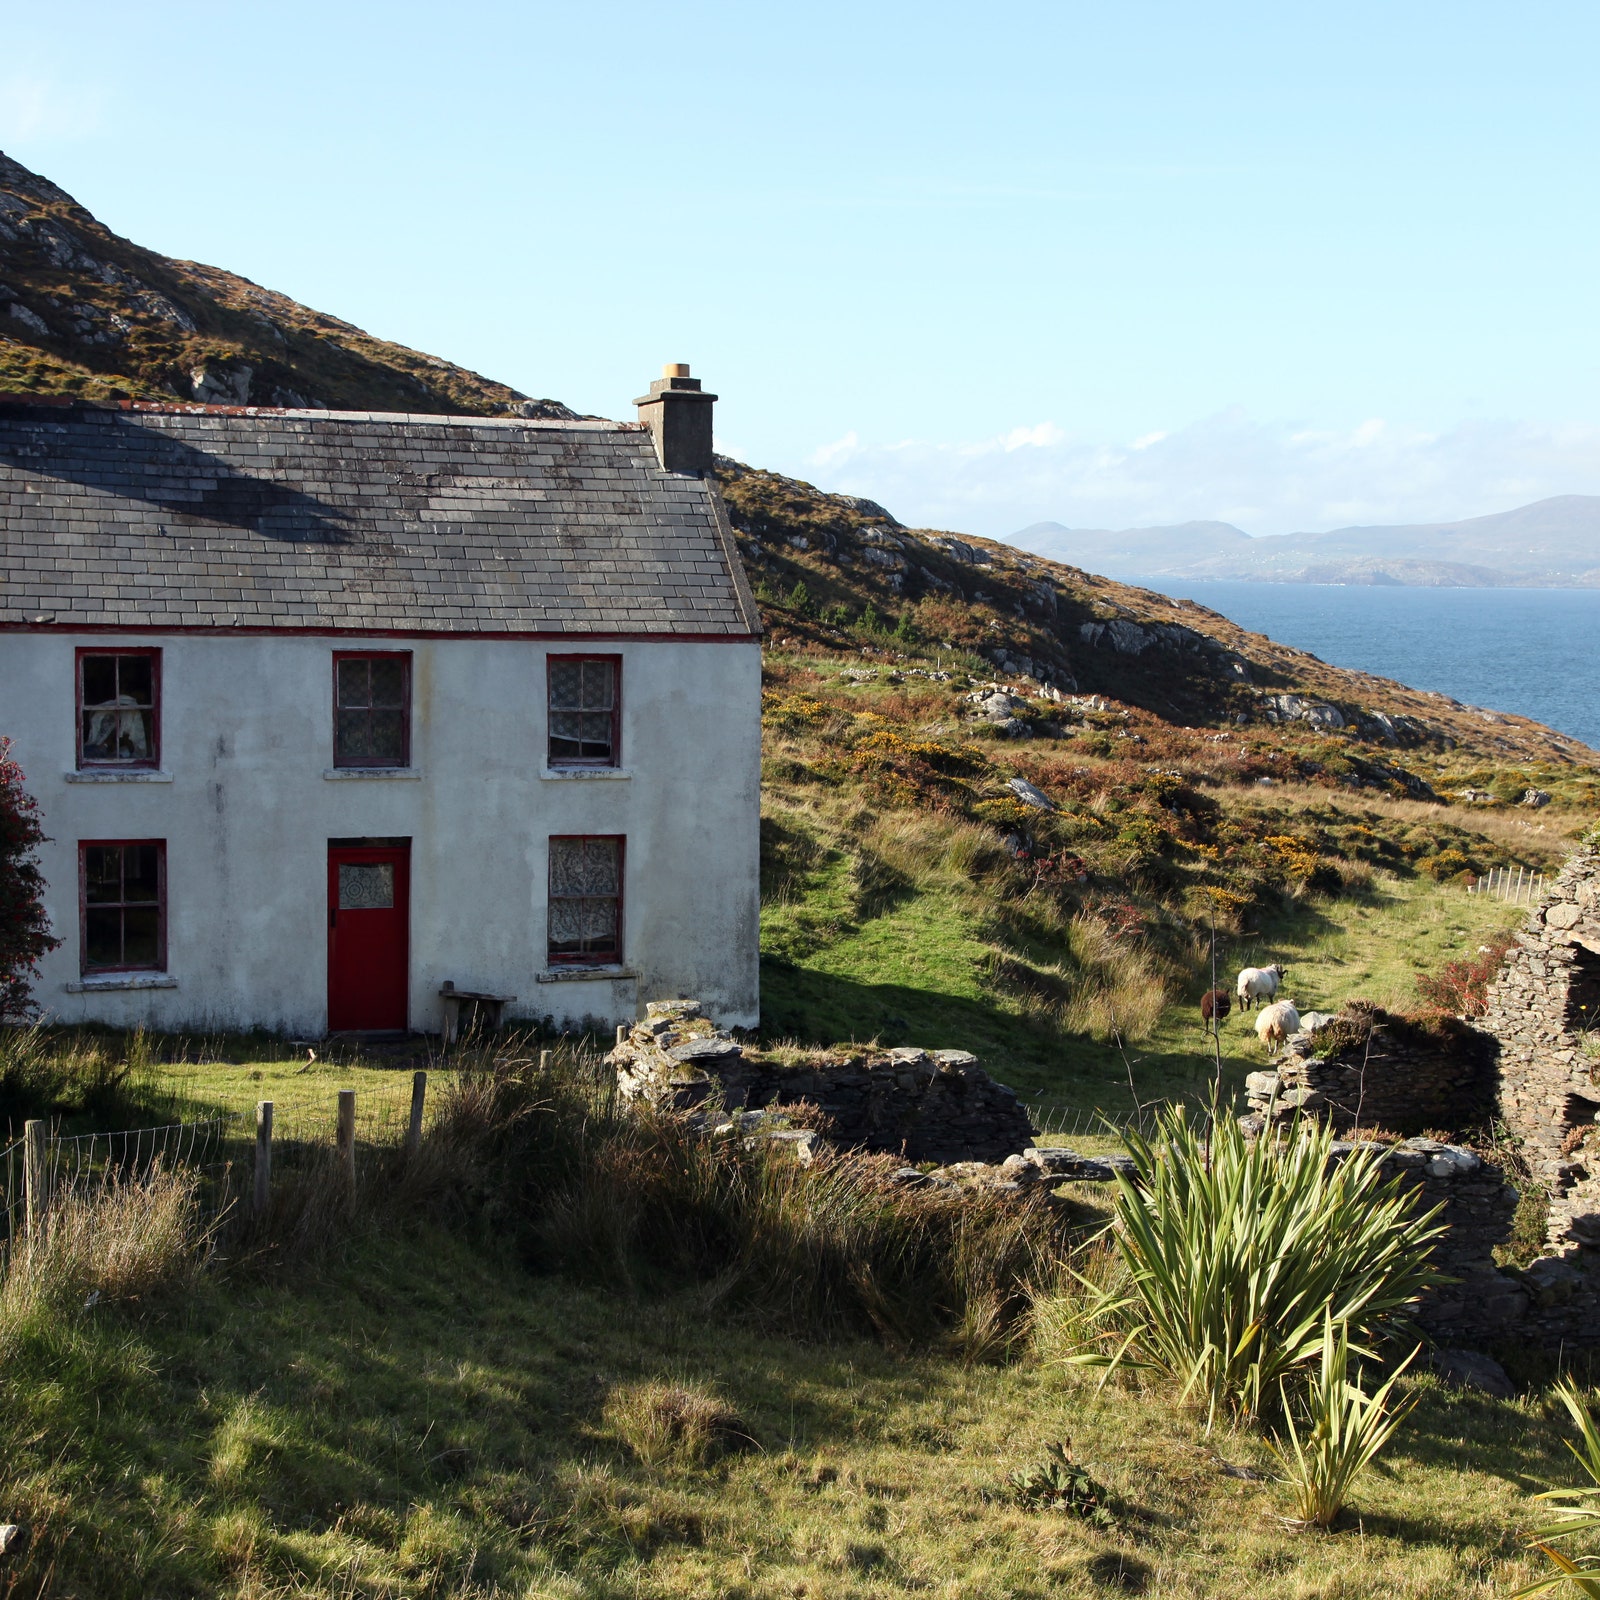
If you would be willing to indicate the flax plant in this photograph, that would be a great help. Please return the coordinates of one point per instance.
(1344, 1428)
(1577, 1510)
(1232, 1254)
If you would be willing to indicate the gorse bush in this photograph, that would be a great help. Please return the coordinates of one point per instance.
(1233, 1254)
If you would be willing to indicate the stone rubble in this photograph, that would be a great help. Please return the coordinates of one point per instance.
(924, 1105)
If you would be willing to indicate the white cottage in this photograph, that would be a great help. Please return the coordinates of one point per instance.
(325, 711)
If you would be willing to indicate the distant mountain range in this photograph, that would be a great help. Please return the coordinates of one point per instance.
(1550, 544)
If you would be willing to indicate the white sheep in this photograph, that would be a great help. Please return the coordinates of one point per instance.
(1276, 1022)
(1257, 984)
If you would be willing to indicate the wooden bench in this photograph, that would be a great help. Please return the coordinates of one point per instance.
(486, 1008)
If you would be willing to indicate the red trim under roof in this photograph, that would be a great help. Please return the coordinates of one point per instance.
(209, 630)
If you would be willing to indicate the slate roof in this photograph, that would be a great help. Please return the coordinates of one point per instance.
(189, 517)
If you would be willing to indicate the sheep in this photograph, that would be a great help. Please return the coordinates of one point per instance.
(1259, 983)
(1215, 1004)
(1276, 1022)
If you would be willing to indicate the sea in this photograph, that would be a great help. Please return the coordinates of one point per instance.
(1531, 651)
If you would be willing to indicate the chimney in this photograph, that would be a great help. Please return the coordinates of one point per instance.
(678, 415)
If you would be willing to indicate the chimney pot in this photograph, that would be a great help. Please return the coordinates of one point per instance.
(677, 412)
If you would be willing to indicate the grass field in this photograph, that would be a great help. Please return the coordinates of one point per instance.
(420, 1418)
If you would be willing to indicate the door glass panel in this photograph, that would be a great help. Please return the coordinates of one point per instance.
(366, 886)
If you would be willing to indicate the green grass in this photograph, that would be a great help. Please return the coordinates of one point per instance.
(422, 1419)
(915, 972)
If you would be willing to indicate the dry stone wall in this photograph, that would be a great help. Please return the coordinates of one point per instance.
(924, 1105)
(1544, 1009)
(1369, 1069)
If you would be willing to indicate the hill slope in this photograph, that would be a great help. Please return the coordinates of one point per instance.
(1554, 542)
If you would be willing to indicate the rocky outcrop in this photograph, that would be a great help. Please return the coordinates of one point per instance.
(924, 1105)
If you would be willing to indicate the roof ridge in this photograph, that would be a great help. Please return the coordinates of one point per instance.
(188, 408)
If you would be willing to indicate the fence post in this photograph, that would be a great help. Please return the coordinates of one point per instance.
(544, 1060)
(263, 1182)
(622, 1033)
(419, 1094)
(34, 1178)
(347, 1134)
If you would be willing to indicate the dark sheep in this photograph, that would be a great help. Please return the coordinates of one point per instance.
(1215, 1004)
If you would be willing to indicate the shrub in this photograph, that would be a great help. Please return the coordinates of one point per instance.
(1235, 1252)
(1342, 1430)
(1462, 987)
(24, 928)
(1448, 864)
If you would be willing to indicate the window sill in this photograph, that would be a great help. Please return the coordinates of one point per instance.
(586, 772)
(116, 775)
(97, 982)
(576, 974)
(339, 774)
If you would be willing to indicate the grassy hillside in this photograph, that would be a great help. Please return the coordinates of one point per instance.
(1014, 807)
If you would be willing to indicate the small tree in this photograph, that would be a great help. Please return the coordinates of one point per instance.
(800, 599)
(24, 928)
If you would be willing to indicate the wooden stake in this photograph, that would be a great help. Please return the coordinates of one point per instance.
(34, 1178)
(263, 1184)
(347, 1134)
(419, 1094)
(544, 1060)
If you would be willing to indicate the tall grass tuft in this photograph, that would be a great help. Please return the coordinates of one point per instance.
(1234, 1252)
(127, 1241)
(644, 1199)
(1341, 1431)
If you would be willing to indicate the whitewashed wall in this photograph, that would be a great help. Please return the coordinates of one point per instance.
(247, 738)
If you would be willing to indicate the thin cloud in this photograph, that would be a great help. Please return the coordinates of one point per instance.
(36, 107)
(1265, 477)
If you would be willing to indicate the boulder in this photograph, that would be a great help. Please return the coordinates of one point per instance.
(1470, 1369)
(1029, 795)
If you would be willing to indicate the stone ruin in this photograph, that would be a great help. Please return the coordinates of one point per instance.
(1544, 1012)
(1363, 1067)
(923, 1105)
(1532, 1061)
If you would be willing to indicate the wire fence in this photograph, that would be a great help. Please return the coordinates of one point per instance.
(1518, 886)
(226, 1152)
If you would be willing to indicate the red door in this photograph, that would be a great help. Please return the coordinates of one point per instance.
(368, 936)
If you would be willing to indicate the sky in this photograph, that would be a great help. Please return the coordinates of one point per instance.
(1288, 266)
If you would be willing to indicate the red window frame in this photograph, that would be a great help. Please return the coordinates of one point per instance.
(615, 758)
(404, 658)
(586, 958)
(85, 968)
(139, 763)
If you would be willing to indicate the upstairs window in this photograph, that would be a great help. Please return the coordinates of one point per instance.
(119, 708)
(372, 709)
(585, 913)
(122, 886)
(584, 708)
